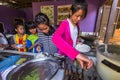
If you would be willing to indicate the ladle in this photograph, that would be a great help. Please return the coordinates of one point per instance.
(106, 49)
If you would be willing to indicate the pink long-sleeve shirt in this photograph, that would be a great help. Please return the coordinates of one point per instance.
(62, 39)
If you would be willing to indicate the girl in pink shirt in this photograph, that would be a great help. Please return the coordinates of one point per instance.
(65, 36)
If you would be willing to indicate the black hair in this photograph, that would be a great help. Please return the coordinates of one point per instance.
(30, 25)
(42, 18)
(79, 4)
(17, 24)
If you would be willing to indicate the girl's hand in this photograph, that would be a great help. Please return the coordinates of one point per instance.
(23, 46)
(84, 61)
(38, 48)
(1, 45)
(14, 46)
(4, 45)
(37, 43)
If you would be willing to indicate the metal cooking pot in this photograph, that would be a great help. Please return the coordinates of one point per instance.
(108, 62)
(36, 69)
(89, 39)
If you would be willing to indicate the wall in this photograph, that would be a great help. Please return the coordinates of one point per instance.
(87, 25)
(7, 16)
(28, 13)
(36, 6)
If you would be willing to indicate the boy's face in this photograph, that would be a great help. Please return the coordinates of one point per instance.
(44, 28)
(20, 29)
(32, 31)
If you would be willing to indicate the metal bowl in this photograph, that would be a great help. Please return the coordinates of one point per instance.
(36, 69)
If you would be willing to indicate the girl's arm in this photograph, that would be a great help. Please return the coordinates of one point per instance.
(14, 46)
(62, 44)
(12, 42)
(29, 45)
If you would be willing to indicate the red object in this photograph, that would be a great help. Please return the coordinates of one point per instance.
(21, 42)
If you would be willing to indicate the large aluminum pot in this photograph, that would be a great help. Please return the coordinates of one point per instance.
(108, 62)
(37, 69)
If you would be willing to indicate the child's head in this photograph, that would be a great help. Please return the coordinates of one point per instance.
(42, 22)
(19, 28)
(78, 11)
(31, 27)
